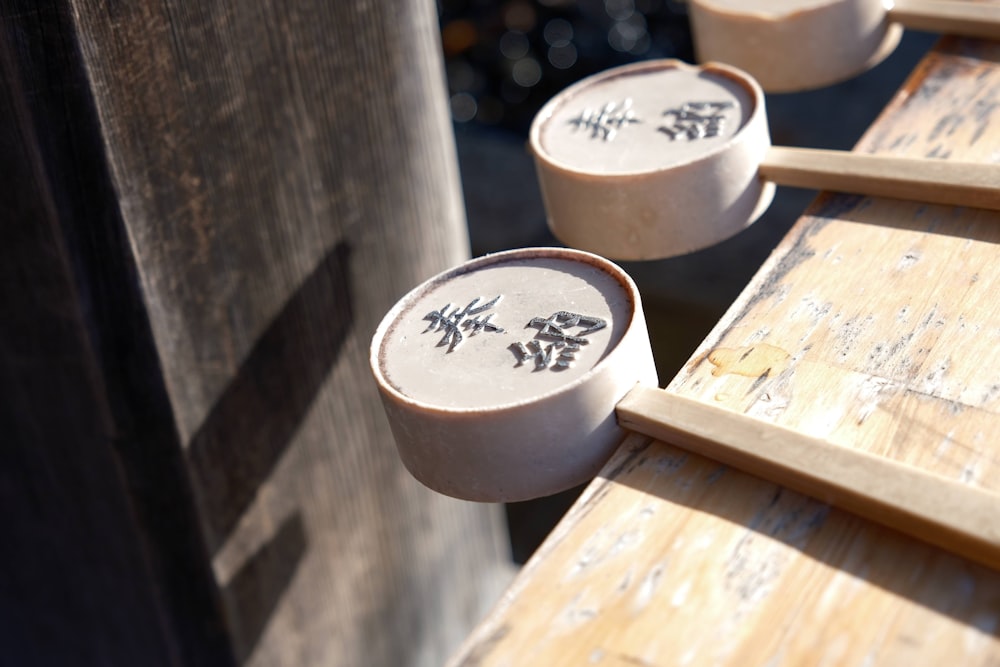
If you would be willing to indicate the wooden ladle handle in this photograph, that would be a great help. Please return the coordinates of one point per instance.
(969, 19)
(918, 179)
(957, 517)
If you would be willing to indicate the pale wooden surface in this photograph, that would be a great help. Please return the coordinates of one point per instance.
(874, 324)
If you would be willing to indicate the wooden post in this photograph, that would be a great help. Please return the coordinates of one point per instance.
(206, 210)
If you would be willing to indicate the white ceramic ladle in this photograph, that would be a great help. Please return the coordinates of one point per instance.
(791, 45)
(500, 376)
(662, 158)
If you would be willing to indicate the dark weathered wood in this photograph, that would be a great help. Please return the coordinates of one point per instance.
(241, 192)
(103, 559)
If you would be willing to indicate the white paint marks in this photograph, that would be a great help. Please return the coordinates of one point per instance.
(908, 260)
(647, 587)
(680, 596)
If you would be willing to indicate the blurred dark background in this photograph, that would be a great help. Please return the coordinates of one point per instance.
(505, 59)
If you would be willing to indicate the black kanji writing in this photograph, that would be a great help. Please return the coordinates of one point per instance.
(604, 123)
(562, 344)
(696, 120)
(453, 322)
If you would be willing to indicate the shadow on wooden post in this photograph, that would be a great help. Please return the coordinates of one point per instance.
(255, 419)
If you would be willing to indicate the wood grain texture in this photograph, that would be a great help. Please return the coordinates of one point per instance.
(276, 177)
(284, 175)
(105, 563)
(875, 325)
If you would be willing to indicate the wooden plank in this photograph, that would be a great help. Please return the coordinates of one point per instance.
(104, 562)
(269, 181)
(274, 218)
(873, 325)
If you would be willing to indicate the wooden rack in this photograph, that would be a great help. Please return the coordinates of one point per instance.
(875, 324)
